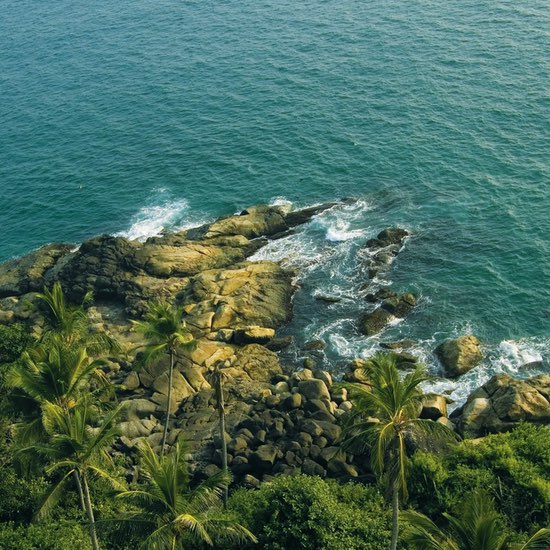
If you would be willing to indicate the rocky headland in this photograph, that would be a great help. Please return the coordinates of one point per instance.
(280, 418)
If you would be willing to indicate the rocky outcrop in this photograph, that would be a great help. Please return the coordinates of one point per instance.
(28, 274)
(502, 402)
(247, 294)
(460, 355)
(206, 265)
(381, 252)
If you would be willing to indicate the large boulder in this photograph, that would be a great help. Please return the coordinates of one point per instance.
(28, 273)
(502, 402)
(253, 222)
(168, 257)
(247, 294)
(460, 355)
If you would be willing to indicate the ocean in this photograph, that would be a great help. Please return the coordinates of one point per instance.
(130, 117)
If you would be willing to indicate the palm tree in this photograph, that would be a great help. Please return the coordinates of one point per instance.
(70, 322)
(217, 378)
(171, 512)
(77, 450)
(479, 527)
(53, 373)
(395, 404)
(165, 331)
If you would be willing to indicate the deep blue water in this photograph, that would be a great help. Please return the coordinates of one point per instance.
(126, 117)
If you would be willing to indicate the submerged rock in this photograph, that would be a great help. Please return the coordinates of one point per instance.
(391, 308)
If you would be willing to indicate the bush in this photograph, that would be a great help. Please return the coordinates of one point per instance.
(303, 512)
(513, 467)
(13, 341)
(60, 535)
(19, 496)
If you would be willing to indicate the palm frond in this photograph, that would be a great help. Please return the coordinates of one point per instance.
(539, 541)
(422, 533)
(51, 498)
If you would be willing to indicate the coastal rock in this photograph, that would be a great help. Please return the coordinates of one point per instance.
(253, 222)
(460, 355)
(247, 294)
(434, 406)
(28, 273)
(502, 402)
(387, 237)
(391, 308)
(190, 257)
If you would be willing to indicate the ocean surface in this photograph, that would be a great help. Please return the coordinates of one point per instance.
(128, 117)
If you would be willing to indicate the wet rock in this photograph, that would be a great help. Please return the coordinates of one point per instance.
(315, 345)
(401, 344)
(373, 322)
(279, 344)
(460, 355)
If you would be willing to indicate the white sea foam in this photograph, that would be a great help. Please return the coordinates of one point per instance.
(151, 220)
(161, 212)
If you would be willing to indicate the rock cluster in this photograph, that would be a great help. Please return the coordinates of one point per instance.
(380, 253)
(502, 402)
(382, 250)
(391, 306)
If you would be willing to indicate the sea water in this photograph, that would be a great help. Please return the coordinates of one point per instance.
(129, 117)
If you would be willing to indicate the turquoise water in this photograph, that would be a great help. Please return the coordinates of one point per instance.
(126, 117)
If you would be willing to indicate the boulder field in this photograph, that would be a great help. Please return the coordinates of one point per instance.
(279, 419)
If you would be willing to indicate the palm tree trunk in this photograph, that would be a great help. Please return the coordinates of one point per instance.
(395, 516)
(221, 411)
(168, 403)
(79, 489)
(89, 512)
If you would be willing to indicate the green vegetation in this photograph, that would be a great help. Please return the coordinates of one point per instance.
(513, 467)
(171, 513)
(478, 526)
(395, 402)
(306, 513)
(165, 331)
(63, 483)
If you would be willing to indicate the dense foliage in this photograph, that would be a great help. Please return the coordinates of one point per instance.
(57, 417)
(307, 513)
(513, 467)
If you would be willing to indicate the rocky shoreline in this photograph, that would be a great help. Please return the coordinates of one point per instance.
(281, 418)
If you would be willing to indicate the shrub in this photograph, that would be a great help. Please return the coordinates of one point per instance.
(13, 341)
(303, 512)
(60, 535)
(514, 467)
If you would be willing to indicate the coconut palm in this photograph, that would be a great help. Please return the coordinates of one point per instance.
(53, 373)
(171, 512)
(165, 331)
(75, 450)
(384, 414)
(479, 527)
(70, 322)
(217, 379)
